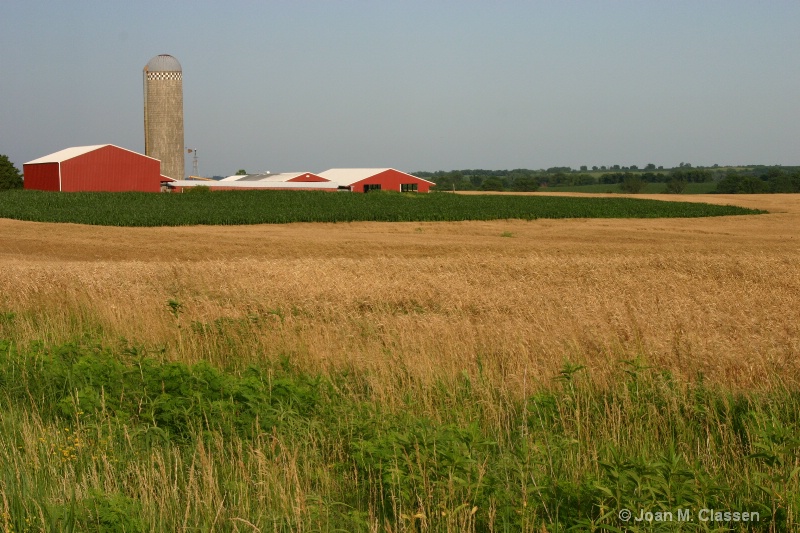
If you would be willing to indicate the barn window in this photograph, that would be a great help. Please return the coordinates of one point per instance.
(408, 187)
(372, 187)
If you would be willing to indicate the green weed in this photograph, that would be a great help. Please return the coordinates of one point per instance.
(147, 444)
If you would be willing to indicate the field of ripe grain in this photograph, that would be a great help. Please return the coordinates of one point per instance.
(716, 295)
(443, 376)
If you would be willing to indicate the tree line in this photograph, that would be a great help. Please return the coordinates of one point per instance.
(752, 179)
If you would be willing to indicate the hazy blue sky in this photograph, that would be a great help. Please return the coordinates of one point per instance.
(415, 85)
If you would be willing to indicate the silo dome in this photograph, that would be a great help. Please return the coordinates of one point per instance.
(163, 63)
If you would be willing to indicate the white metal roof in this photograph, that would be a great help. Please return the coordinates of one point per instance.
(348, 176)
(282, 176)
(66, 153)
(233, 178)
(257, 184)
(75, 151)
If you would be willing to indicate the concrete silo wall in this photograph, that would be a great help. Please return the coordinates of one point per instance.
(163, 121)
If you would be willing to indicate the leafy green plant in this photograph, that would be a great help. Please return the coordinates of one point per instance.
(415, 460)
(279, 207)
(174, 307)
(199, 189)
(99, 512)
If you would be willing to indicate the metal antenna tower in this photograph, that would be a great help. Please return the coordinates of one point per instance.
(193, 151)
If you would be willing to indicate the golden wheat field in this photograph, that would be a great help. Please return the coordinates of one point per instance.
(717, 296)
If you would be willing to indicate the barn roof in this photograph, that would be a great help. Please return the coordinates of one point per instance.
(348, 176)
(257, 184)
(282, 176)
(75, 151)
(66, 153)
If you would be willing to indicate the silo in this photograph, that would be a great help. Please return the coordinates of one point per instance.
(163, 114)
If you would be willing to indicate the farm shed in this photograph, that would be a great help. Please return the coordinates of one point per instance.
(295, 181)
(370, 179)
(102, 167)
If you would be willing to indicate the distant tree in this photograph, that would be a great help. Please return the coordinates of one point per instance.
(241, 172)
(634, 167)
(521, 180)
(650, 166)
(738, 183)
(753, 185)
(582, 179)
(594, 168)
(632, 184)
(558, 179)
(525, 184)
(730, 183)
(492, 184)
(652, 177)
(584, 168)
(453, 180)
(780, 181)
(10, 177)
(612, 177)
(675, 186)
(692, 175)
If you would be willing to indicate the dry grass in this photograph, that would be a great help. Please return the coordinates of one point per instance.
(416, 301)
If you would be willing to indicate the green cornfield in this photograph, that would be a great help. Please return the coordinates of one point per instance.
(278, 207)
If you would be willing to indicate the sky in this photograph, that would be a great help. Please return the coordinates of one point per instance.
(414, 85)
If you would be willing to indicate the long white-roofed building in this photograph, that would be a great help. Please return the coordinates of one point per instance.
(376, 179)
(292, 181)
(342, 179)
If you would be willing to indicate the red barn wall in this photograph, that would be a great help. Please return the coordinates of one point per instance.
(111, 169)
(41, 176)
(390, 180)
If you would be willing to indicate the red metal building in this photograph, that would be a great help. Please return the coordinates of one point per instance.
(103, 167)
(371, 179)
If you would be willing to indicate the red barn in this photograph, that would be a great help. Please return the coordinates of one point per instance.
(103, 167)
(371, 179)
